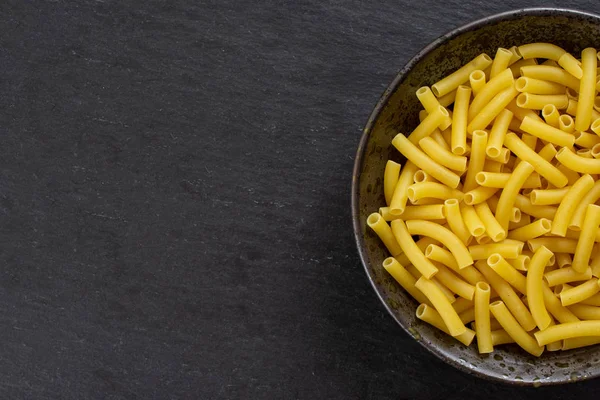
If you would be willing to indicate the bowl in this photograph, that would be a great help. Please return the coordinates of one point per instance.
(397, 111)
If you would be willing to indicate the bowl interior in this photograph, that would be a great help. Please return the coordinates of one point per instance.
(396, 112)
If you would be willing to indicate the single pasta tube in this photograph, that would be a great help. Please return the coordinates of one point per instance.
(554, 244)
(462, 305)
(459, 121)
(432, 317)
(585, 312)
(432, 211)
(590, 197)
(501, 61)
(571, 65)
(577, 163)
(566, 124)
(442, 305)
(587, 238)
(429, 124)
(498, 132)
(567, 207)
(455, 220)
(382, 229)
(555, 307)
(588, 140)
(547, 132)
(537, 86)
(535, 296)
(533, 230)
(510, 325)
(478, 149)
(492, 227)
(454, 283)
(541, 50)
(477, 80)
(587, 89)
(524, 204)
(499, 337)
(508, 272)
(472, 221)
(443, 256)
(390, 178)
(482, 318)
(444, 157)
(506, 248)
(412, 251)
(434, 190)
(579, 293)
(575, 343)
(550, 114)
(564, 260)
(404, 278)
(547, 197)
(521, 263)
(400, 196)
(567, 331)
(500, 179)
(552, 74)
(566, 275)
(538, 101)
(478, 195)
(461, 76)
(508, 195)
(447, 99)
(516, 67)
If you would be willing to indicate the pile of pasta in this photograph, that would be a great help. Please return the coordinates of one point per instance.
(492, 223)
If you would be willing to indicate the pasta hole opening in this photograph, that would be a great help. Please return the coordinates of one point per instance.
(546, 224)
(479, 231)
(522, 99)
(516, 215)
(479, 133)
(596, 150)
(444, 111)
(596, 124)
(411, 194)
(506, 158)
(552, 260)
(558, 289)
(419, 177)
(428, 250)
(480, 178)
(521, 84)
(533, 197)
(566, 120)
(469, 200)
(584, 153)
(530, 246)
(494, 152)
(396, 211)
(496, 303)
(388, 262)
(422, 90)
(435, 91)
(451, 202)
(494, 259)
(483, 286)
(373, 219)
(499, 236)
(487, 58)
(561, 151)
(477, 75)
(459, 150)
(421, 310)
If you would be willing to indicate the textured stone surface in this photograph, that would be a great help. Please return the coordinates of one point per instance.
(174, 200)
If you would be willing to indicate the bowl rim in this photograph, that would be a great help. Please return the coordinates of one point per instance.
(360, 155)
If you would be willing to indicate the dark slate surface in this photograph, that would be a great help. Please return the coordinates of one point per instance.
(174, 200)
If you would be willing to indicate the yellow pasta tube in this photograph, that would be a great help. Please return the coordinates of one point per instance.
(579, 293)
(520, 113)
(596, 126)
(587, 89)
(543, 167)
(390, 178)
(492, 227)
(445, 157)
(461, 305)
(516, 67)
(482, 318)
(423, 161)
(510, 325)
(434, 190)
(521, 263)
(498, 132)
(572, 94)
(411, 250)
(571, 65)
(555, 307)
(432, 317)
(596, 150)
(593, 300)
(575, 343)
(585, 312)
(587, 238)
(508, 272)
(499, 337)
(551, 115)
(478, 148)
(492, 109)
(566, 123)
(461, 76)
(442, 305)
(587, 140)
(500, 179)
(429, 124)
(541, 50)
(566, 275)
(535, 296)
(548, 196)
(567, 206)
(554, 244)
(564, 260)
(454, 283)
(547, 132)
(578, 163)
(478, 195)
(455, 220)
(404, 278)
(508, 195)
(432, 211)
(447, 99)
(477, 81)
(537, 86)
(491, 89)
(431, 105)
(506, 248)
(400, 196)
(589, 198)
(572, 110)
(552, 74)
(459, 121)
(533, 230)
(538, 101)
(472, 221)
(524, 204)
(567, 331)
(443, 235)
(501, 61)
(382, 229)
(422, 176)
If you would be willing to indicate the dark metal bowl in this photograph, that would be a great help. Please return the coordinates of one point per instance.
(397, 111)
